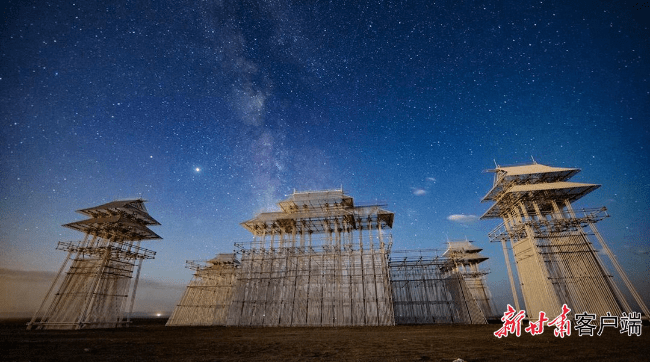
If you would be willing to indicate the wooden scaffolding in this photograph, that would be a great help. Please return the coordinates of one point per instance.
(320, 261)
(207, 299)
(427, 290)
(94, 291)
(464, 259)
(550, 241)
(324, 261)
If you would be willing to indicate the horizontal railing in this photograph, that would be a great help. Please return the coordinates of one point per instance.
(117, 250)
(551, 222)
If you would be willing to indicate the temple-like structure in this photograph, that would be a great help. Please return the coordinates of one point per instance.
(98, 289)
(322, 260)
(550, 241)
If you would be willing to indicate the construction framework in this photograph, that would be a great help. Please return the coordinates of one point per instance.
(463, 260)
(94, 291)
(323, 261)
(550, 241)
(320, 261)
(207, 299)
(428, 289)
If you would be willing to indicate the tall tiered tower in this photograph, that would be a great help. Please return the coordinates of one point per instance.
(550, 241)
(464, 259)
(95, 290)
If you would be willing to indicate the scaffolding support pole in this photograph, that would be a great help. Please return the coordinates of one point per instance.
(620, 271)
(135, 287)
(510, 276)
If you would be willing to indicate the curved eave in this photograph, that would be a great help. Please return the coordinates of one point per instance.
(311, 200)
(318, 221)
(114, 227)
(463, 255)
(528, 174)
(139, 216)
(462, 246)
(133, 208)
(560, 190)
(469, 259)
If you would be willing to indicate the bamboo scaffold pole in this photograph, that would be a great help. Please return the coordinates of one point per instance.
(135, 288)
(620, 271)
(510, 276)
(51, 288)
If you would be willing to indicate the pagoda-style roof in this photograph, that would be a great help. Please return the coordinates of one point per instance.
(120, 219)
(311, 200)
(571, 191)
(116, 226)
(133, 208)
(464, 251)
(223, 259)
(464, 246)
(537, 169)
(318, 212)
(526, 174)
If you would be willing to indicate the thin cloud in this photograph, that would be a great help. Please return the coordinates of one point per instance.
(419, 192)
(462, 219)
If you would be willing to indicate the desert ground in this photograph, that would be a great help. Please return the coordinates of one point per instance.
(150, 340)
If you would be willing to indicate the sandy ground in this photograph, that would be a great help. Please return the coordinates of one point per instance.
(150, 340)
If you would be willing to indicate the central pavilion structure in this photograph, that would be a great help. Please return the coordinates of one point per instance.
(322, 260)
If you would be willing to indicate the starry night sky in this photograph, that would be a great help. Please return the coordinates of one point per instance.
(216, 110)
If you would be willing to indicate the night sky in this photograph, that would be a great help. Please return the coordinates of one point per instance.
(216, 110)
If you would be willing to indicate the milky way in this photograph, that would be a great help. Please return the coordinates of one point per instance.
(216, 110)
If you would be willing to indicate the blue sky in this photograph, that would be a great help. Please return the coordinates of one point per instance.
(214, 111)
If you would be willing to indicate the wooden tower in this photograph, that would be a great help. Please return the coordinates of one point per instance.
(99, 285)
(464, 259)
(550, 241)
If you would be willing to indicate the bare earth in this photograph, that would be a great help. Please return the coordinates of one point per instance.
(150, 340)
